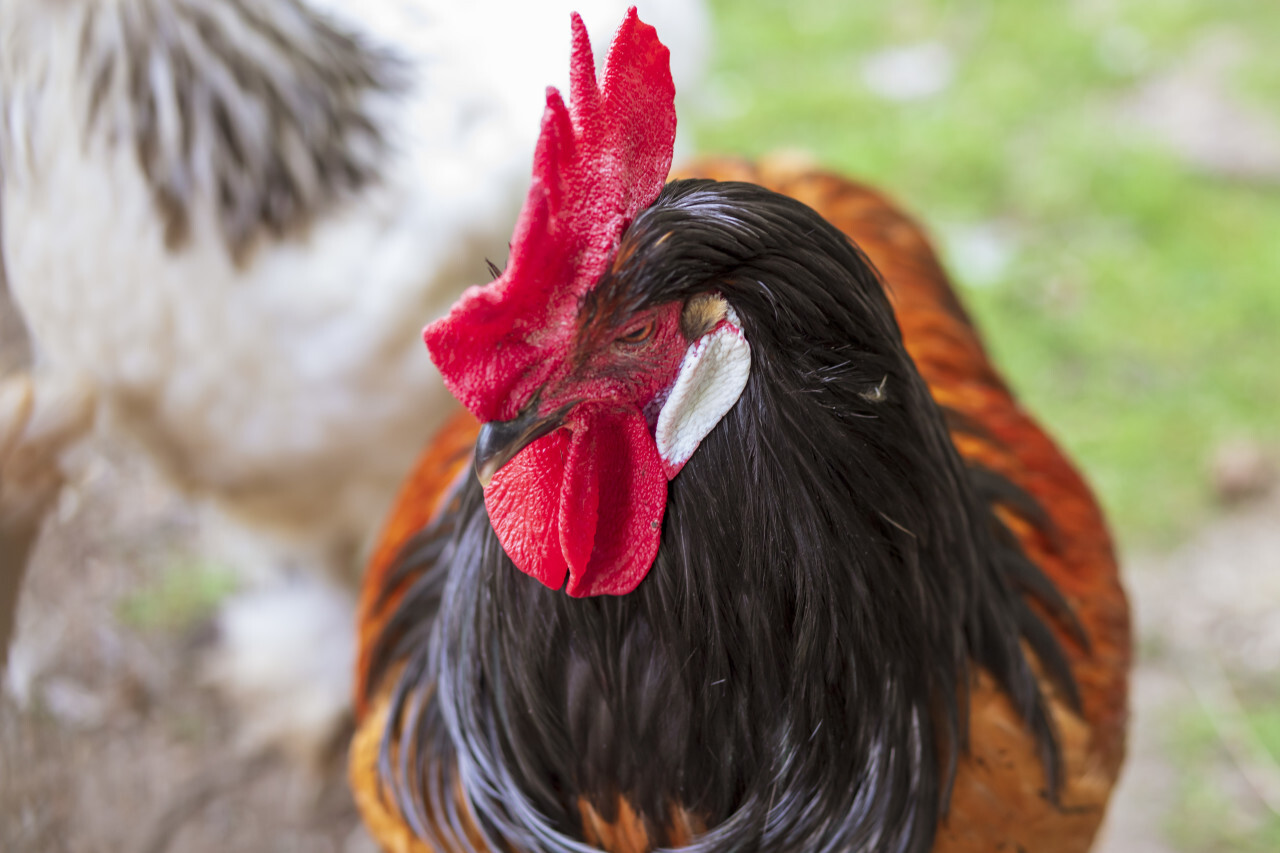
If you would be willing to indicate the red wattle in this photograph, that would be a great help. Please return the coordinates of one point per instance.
(524, 508)
(587, 500)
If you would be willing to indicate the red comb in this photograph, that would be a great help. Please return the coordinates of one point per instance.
(597, 165)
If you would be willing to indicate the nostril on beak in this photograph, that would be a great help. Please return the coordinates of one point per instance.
(500, 441)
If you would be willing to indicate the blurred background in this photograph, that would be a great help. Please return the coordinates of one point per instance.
(1103, 180)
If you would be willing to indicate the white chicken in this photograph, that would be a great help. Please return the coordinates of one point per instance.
(230, 220)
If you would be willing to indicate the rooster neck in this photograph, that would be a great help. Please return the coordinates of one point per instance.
(793, 669)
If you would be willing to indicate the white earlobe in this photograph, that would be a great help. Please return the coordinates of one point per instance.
(711, 379)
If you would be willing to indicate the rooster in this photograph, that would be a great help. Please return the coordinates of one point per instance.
(225, 222)
(743, 544)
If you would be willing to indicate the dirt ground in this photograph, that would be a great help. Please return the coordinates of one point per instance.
(109, 741)
(1208, 633)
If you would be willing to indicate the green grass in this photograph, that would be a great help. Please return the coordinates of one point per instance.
(1209, 817)
(1139, 311)
(180, 597)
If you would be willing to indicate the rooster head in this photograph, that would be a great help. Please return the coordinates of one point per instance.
(591, 398)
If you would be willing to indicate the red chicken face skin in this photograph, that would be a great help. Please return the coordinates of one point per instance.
(587, 500)
(624, 362)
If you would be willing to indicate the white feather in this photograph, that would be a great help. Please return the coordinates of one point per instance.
(712, 375)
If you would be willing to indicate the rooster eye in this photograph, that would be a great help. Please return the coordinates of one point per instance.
(638, 335)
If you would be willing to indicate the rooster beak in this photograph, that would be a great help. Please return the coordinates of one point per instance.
(500, 441)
